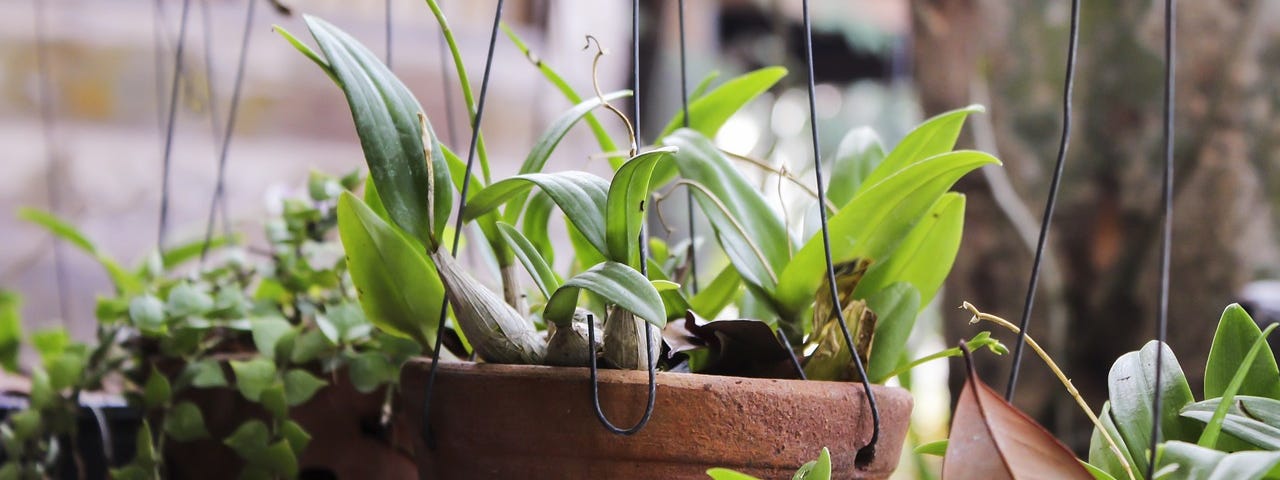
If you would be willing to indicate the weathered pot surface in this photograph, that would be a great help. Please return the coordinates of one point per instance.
(518, 421)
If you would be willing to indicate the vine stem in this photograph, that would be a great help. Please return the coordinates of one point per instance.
(1062, 377)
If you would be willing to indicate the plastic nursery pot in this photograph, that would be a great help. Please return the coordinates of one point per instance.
(519, 421)
(347, 438)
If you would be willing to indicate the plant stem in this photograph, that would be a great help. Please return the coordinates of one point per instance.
(1062, 377)
(464, 82)
(782, 173)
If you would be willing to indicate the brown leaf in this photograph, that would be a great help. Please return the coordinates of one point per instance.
(741, 348)
(991, 439)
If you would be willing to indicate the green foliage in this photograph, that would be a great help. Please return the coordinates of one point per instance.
(10, 330)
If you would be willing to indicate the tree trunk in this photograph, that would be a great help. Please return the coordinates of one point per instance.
(1106, 230)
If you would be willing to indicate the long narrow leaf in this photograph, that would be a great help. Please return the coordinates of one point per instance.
(617, 283)
(580, 195)
(924, 258)
(935, 136)
(1209, 438)
(625, 204)
(1196, 462)
(858, 155)
(415, 193)
(1236, 334)
(124, 281)
(529, 255)
(716, 295)
(465, 83)
(710, 111)
(873, 224)
(896, 307)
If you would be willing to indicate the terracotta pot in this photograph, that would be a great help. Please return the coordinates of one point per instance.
(346, 440)
(515, 421)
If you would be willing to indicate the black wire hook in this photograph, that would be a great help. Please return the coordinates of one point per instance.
(595, 384)
(1166, 235)
(427, 435)
(867, 453)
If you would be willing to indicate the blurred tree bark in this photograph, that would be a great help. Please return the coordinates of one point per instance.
(1105, 232)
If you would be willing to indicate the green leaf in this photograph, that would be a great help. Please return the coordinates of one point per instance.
(709, 112)
(1236, 334)
(398, 288)
(713, 297)
(310, 345)
(1131, 385)
(857, 156)
(300, 385)
(185, 300)
(924, 257)
(66, 368)
(26, 424)
(413, 179)
(625, 205)
(537, 214)
(936, 448)
(935, 136)
(370, 370)
(617, 284)
(547, 143)
(297, 437)
(704, 84)
(874, 223)
(279, 458)
(726, 474)
(308, 52)
(125, 282)
(157, 391)
(580, 195)
(819, 469)
(144, 448)
(1100, 453)
(750, 231)
(343, 322)
(205, 373)
(42, 393)
(602, 136)
(463, 82)
(543, 277)
(896, 307)
(274, 400)
(267, 332)
(1098, 473)
(249, 439)
(1209, 438)
(1254, 420)
(184, 422)
(254, 376)
(50, 343)
(146, 312)
(1196, 462)
(176, 255)
(10, 330)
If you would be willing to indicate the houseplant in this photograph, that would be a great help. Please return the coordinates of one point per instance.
(396, 238)
(245, 367)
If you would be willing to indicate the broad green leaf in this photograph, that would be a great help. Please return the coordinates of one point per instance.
(1196, 462)
(602, 136)
(1236, 334)
(254, 376)
(1209, 438)
(186, 300)
(702, 87)
(300, 385)
(184, 422)
(580, 195)
(205, 373)
(26, 424)
(718, 294)
(1255, 420)
(896, 307)
(157, 390)
(537, 214)
(750, 231)
(547, 143)
(398, 288)
(344, 322)
(874, 222)
(10, 330)
(625, 204)
(146, 312)
(858, 154)
(50, 343)
(585, 254)
(819, 469)
(267, 332)
(529, 255)
(144, 449)
(370, 370)
(616, 283)
(710, 111)
(412, 178)
(42, 393)
(124, 281)
(275, 401)
(297, 437)
(935, 136)
(1100, 454)
(1131, 386)
(726, 474)
(924, 257)
(309, 345)
(66, 368)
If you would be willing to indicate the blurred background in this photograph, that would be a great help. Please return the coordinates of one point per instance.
(86, 138)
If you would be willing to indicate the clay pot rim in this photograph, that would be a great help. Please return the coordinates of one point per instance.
(669, 379)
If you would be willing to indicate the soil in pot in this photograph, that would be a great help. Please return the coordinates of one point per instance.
(515, 421)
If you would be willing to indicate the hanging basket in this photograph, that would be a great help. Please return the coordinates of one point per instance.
(519, 421)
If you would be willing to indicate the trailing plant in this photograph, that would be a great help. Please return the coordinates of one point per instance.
(272, 330)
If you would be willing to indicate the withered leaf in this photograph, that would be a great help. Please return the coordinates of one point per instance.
(743, 348)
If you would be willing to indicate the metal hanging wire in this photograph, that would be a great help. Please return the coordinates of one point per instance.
(684, 107)
(387, 11)
(219, 191)
(1050, 203)
(644, 267)
(868, 451)
(1166, 218)
(162, 231)
(47, 126)
(427, 435)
